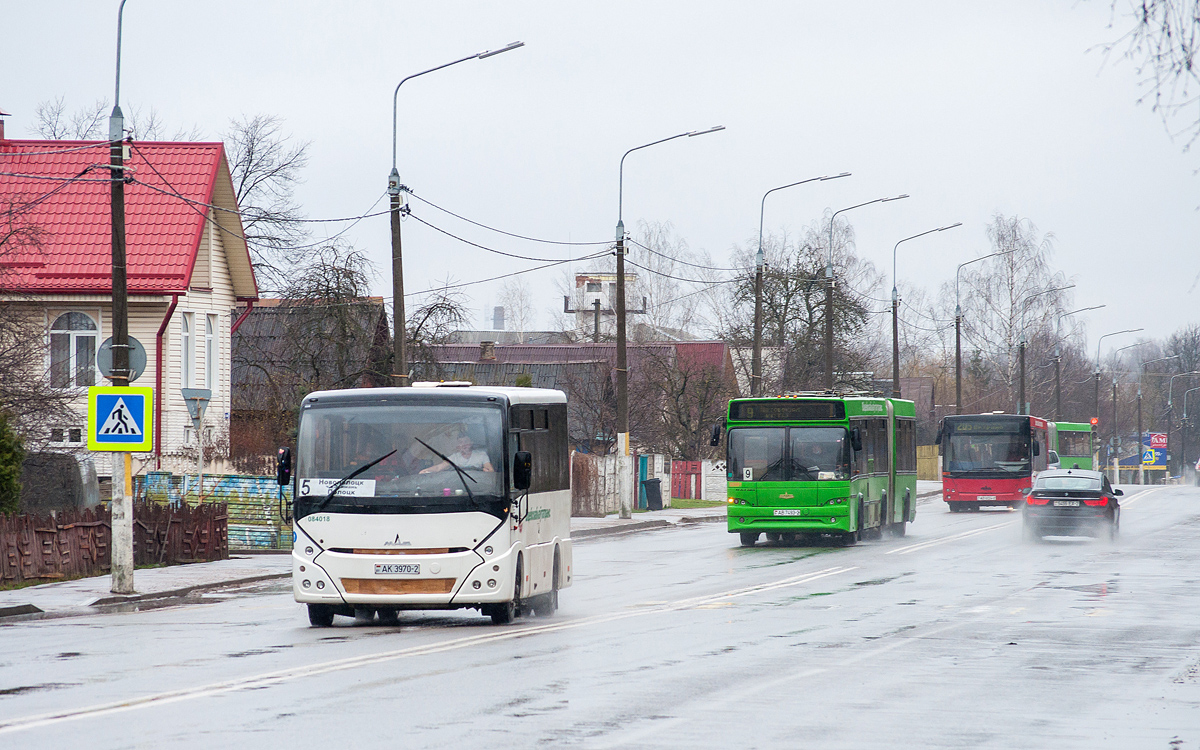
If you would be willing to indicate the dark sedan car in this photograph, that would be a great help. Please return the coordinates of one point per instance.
(1072, 502)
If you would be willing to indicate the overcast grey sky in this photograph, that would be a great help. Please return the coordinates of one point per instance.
(972, 108)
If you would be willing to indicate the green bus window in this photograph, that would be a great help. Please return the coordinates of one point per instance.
(756, 454)
(819, 453)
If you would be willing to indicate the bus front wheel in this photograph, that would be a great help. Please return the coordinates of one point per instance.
(320, 615)
(749, 538)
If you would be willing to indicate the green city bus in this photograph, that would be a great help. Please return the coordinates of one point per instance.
(1073, 443)
(810, 465)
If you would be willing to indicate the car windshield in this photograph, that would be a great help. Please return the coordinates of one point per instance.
(1067, 483)
(335, 441)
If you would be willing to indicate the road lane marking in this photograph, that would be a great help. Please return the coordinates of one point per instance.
(267, 679)
(1134, 498)
(946, 539)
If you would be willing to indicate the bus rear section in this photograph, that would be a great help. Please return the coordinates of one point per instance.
(991, 459)
(431, 498)
(1073, 442)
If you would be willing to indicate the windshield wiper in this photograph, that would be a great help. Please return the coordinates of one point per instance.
(338, 485)
(461, 473)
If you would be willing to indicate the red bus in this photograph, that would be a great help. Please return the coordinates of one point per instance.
(988, 459)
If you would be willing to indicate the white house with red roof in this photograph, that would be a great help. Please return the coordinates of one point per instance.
(188, 268)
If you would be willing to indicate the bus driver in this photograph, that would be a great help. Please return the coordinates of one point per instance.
(467, 457)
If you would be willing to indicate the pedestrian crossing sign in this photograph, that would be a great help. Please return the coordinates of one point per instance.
(120, 419)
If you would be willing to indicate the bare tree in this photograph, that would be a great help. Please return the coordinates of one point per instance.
(265, 165)
(665, 268)
(90, 123)
(517, 301)
(26, 394)
(440, 313)
(794, 292)
(1164, 43)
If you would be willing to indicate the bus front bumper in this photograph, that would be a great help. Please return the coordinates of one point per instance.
(815, 519)
(405, 581)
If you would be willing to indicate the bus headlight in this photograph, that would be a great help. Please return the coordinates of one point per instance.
(476, 584)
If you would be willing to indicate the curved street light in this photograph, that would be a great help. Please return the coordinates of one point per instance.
(896, 308)
(1141, 435)
(626, 508)
(1024, 304)
(399, 345)
(829, 287)
(756, 356)
(958, 327)
(1058, 358)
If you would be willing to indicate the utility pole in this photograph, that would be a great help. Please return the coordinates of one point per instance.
(1116, 440)
(756, 355)
(1141, 439)
(121, 506)
(1058, 388)
(1021, 388)
(896, 308)
(596, 321)
(957, 360)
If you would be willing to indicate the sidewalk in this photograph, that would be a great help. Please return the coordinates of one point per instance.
(89, 595)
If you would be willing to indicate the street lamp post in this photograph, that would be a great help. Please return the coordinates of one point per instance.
(1058, 359)
(1096, 409)
(896, 309)
(1183, 457)
(759, 263)
(626, 509)
(958, 328)
(1141, 435)
(399, 345)
(1021, 346)
(1171, 413)
(829, 288)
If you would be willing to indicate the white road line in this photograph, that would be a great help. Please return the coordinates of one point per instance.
(295, 673)
(1134, 498)
(946, 539)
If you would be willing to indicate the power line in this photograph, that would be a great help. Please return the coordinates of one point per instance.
(493, 229)
(669, 276)
(505, 276)
(489, 249)
(678, 260)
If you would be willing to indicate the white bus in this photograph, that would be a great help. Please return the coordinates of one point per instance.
(439, 496)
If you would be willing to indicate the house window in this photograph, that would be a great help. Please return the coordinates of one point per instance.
(210, 351)
(72, 435)
(593, 286)
(187, 355)
(73, 350)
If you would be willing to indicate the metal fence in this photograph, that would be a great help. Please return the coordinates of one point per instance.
(77, 543)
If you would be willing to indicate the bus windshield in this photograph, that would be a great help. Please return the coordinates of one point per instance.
(335, 441)
(789, 454)
(987, 447)
(1074, 443)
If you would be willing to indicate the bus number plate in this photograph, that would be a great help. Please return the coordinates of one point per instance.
(410, 569)
(789, 512)
(986, 498)
(1066, 503)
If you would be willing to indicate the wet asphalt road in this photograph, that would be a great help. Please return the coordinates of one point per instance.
(959, 635)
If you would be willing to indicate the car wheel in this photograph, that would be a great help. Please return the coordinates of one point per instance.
(1114, 528)
(1030, 532)
(320, 615)
(748, 538)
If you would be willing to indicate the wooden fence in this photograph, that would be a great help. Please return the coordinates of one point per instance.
(77, 543)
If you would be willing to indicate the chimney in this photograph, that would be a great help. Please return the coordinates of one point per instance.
(487, 351)
(3, 114)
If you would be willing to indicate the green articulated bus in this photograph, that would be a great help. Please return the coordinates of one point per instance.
(820, 465)
(1073, 443)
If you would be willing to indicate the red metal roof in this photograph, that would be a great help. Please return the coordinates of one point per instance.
(162, 232)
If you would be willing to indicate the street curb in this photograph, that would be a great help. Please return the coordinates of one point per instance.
(657, 523)
(174, 593)
(18, 609)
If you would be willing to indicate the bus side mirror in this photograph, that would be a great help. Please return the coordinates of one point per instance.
(856, 439)
(714, 439)
(283, 467)
(522, 470)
